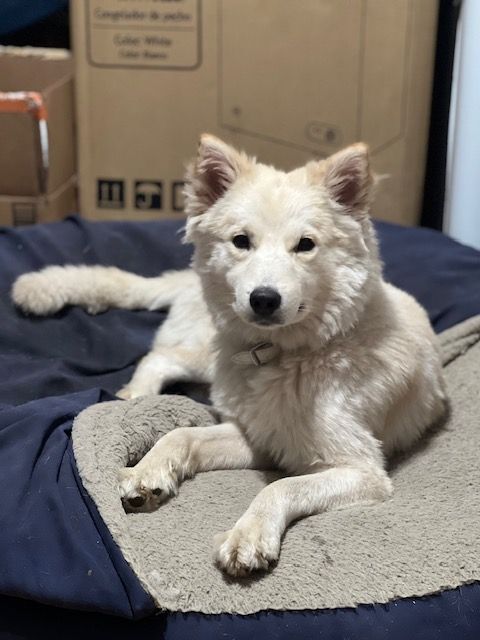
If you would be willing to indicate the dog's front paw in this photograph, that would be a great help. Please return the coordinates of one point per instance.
(148, 484)
(125, 393)
(39, 293)
(248, 547)
(129, 392)
(146, 488)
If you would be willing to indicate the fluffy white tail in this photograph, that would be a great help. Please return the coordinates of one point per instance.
(96, 289)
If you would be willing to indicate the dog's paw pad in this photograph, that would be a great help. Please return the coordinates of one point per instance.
(136, 502)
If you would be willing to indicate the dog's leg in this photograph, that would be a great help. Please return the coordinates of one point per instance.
(97, 289)
(254, 541)
(180, 454)
(181, 349)
(163, 366)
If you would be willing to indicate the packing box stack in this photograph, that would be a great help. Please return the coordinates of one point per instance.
(37, 153)
(286, 81)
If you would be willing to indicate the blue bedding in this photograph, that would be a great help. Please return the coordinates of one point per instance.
(54, 547)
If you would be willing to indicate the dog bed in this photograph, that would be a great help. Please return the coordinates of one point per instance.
(422, 541)
(54, 546)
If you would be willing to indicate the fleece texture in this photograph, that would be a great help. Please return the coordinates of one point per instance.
(422, 541)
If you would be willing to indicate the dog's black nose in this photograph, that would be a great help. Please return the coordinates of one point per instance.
(264, 301)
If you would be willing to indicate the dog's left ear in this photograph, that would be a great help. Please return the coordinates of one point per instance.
(212, 173)
(348, 180)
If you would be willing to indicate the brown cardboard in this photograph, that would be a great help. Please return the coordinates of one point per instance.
(286, 81)
(20, 154)
(26, 169)
(23, 210)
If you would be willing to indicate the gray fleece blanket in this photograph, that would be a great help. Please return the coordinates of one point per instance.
(424, 540)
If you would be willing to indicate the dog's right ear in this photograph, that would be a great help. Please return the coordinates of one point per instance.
(214, 170)
(348, 179)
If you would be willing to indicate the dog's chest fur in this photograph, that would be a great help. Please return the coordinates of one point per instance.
(279, 406)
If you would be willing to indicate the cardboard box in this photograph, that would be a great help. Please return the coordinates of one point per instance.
(286, 81)
(22, 210)
(37, 154)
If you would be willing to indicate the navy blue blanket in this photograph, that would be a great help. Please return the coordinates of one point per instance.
(54, 547)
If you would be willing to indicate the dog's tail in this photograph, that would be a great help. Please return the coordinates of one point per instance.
(96, 289)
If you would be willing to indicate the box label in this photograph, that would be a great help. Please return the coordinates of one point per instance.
(148, 194)
(157, 34)
(110, 193)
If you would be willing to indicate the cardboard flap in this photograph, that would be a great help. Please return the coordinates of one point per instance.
(32, 69)
(37, 154)
(20, 154)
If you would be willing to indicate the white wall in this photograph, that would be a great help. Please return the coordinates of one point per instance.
(462, 202)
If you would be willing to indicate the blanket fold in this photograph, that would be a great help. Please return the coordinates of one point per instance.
(458, 339)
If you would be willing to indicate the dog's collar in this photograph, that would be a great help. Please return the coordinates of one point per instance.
(258, 355)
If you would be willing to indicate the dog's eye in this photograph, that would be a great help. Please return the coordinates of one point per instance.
(241, 241)
(305, 244)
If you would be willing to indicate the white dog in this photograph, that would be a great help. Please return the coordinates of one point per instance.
(317, 365)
